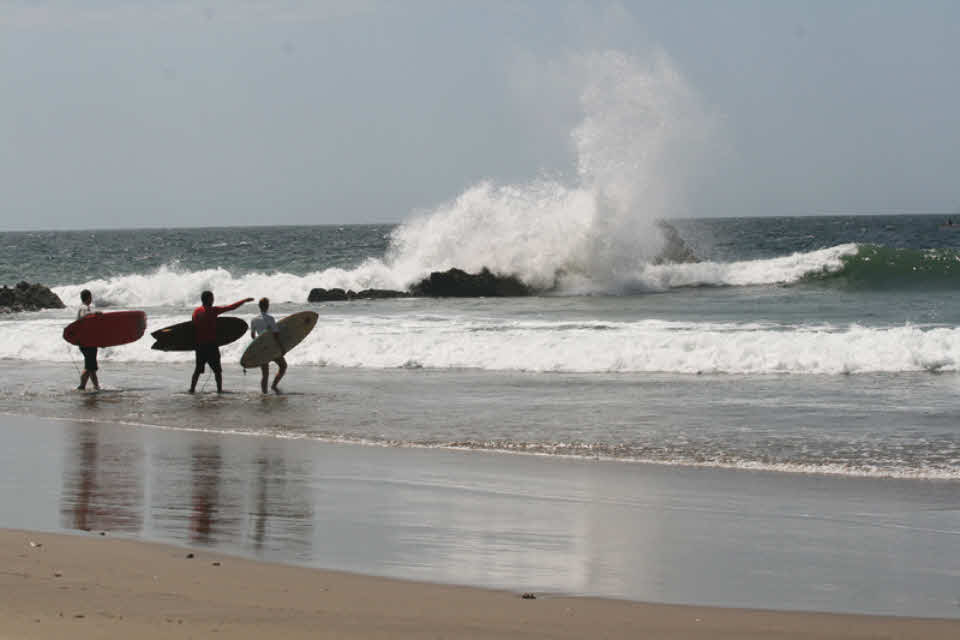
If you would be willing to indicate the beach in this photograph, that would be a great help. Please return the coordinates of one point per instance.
(87, 586)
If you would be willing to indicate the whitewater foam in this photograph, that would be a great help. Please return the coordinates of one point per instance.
(781, 270)
(172, 287)
(643, 346)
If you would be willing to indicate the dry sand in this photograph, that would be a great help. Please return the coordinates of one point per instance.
(92, 586)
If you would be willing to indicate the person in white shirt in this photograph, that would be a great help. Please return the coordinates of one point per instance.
(262, 324)
(89, 353)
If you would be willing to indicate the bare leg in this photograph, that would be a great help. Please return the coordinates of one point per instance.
(264, 375)
(282, 363)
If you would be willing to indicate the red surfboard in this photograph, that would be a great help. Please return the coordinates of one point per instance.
(106, 329)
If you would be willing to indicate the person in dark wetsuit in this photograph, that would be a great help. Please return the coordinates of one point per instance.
(205, 325)
(89, 353)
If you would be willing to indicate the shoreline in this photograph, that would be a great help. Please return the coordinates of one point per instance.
(139, 395)
(747, 467)
(87, 586)
(711, 538)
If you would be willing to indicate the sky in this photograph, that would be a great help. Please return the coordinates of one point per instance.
(141, 113)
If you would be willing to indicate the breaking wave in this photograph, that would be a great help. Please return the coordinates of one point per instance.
(878, 267)
(847, 266)
(377, 341)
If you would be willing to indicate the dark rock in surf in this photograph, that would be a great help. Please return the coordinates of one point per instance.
(28, 297)
(334, 295)
(377, 294)
(326, 295)
(455, 283)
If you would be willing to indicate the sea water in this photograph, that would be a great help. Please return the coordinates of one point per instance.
(803, 344)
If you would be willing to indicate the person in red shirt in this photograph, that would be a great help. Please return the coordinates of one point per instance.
(207, 350)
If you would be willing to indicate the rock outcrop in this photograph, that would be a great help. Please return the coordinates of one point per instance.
(326, 295)
(455, 283)
(28, 297)
(332, 295)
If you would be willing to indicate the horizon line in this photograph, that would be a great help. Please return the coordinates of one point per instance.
(853, 213)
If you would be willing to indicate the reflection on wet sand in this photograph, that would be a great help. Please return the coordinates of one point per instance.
(106, 496)
(517, 522)
(205, 465)
(192, 491)
(260, 513)
(280, 512)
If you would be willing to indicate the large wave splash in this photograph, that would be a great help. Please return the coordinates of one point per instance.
(634, 145)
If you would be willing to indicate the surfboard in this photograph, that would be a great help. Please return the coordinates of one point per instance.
(293, 329)
(181, 336)
(106, 329)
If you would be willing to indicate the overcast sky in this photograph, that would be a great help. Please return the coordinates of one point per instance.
(167, 113)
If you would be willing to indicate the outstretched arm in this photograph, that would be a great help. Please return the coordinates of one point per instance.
(231, 307)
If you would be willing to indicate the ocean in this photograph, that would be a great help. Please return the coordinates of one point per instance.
(816, 345)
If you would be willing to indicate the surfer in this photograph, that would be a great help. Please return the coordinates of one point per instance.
(205, 325)
(258, 326)
(89, 353)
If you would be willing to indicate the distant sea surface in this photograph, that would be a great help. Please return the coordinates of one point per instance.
(803, 345)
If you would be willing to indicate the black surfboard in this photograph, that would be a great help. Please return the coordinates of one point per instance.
(181, 337)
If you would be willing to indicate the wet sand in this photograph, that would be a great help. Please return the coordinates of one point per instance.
(90, 586)
(645, 533)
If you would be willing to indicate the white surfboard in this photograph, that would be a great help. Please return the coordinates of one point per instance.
(293, 329)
